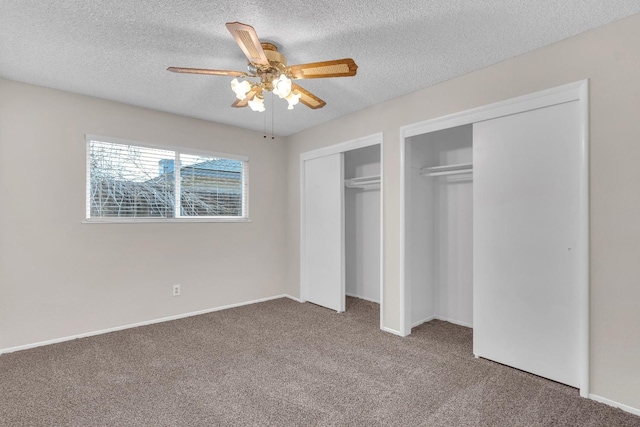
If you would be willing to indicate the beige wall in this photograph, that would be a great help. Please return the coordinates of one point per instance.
(60, 277)
(610, 58)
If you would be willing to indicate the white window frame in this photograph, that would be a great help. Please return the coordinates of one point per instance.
(178, 218)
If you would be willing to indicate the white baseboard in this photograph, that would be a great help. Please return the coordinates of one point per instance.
(420, 322)
(626, 408)
(444, 319)
(292, 297)
(359, 297)
(145, 323)
(455, 322)
(391, 331)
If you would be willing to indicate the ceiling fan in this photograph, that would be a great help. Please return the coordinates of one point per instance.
(270, 67)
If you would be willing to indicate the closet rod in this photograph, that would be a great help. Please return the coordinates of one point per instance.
(365, 182)
(463, 168)
(456, 172)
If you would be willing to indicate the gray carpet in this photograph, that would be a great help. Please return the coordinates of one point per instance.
(282, 363)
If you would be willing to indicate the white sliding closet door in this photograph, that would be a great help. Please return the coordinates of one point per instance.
(323, 240)
(526, 208)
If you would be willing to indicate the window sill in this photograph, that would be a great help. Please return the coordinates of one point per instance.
(159, 220)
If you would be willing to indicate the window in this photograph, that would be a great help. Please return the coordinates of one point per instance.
(130, 181)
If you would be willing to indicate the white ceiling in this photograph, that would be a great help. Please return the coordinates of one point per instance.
(120, 50)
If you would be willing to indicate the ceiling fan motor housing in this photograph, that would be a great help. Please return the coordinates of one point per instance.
(277, 66)
(272, 54)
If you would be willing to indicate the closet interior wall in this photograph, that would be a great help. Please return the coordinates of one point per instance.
(439, 251)
(362, 225)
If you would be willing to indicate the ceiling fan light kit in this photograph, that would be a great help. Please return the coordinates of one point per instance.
(270, 68)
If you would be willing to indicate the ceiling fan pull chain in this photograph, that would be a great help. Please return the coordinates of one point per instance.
(265, 127)
(272, 117)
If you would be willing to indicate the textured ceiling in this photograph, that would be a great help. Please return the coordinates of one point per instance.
(120, 50)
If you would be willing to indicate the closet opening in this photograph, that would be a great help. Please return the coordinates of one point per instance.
(362, 224)
(439, 221)
(341, 226)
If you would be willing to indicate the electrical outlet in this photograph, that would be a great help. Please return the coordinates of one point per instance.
(176, 290)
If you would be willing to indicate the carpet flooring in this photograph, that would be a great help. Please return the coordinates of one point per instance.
(282, 363)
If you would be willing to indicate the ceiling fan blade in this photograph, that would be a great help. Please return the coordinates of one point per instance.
(240, 103)
(248, 41)
(307, 98)
(338, 68)
(207, 71)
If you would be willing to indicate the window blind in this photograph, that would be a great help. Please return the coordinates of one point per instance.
(132, 181)
(211, 186)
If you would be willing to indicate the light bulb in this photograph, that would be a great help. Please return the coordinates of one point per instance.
(240, 88)
(293, 99)
(282, 86)
(257, 104)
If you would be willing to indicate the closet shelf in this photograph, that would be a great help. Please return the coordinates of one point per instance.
(364, 183)
(447, 170)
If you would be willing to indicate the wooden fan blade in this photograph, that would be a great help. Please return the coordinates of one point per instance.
(248, 41)
(240, 103)
(338, 68)
(307, 98)
(207, 71)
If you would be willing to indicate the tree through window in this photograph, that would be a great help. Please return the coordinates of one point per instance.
(135, 181)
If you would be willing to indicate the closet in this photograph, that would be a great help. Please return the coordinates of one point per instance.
(496, 230)
(440, 183)
(340, 238)
(362, 223)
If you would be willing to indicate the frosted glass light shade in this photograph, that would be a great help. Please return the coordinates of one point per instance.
(240, 88)
(293, 99)
(257, 104)
(282, 86)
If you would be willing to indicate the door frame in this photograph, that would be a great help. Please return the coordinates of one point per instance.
(577, 91)
(354, 144)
